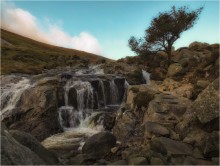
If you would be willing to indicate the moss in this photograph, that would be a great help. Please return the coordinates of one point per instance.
(143, 99)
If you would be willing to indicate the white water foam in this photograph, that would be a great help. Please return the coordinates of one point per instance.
(12, 93)
(146, 77)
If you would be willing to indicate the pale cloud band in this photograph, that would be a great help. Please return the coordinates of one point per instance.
(24, 23)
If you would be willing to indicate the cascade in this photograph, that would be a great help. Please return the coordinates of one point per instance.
(11, 93)
(114, 92)
(86, 95)
(71, 116)
(146, 76)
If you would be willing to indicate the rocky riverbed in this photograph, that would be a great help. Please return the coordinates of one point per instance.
(113, 114)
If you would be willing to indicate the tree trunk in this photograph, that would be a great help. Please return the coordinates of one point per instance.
(169, 53)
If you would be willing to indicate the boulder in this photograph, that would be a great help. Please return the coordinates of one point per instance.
(206, 106)
(14, 153)
(29, 141)
(37, 115)
(197, 45)
(99, 144)
(202, 83)
(168, 146)
(137, 161)
(175, 69)
(155, 128)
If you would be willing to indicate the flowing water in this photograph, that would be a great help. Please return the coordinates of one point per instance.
(11, 93)
(146, 77)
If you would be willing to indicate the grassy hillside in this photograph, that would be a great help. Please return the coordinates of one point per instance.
(23, 55)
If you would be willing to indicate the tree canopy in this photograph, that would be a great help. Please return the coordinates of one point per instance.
(164, 30)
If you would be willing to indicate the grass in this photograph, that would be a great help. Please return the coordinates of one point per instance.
(23, 55)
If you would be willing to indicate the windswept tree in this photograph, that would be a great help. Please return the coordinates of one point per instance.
(164, 30)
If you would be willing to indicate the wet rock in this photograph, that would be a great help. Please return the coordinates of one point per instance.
(169, 146)
(155, 128)
(137, 161)
(14, 153)
(109, 122)
(99, 144)
(29, 141)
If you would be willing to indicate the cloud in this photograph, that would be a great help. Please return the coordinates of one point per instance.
(24, 23)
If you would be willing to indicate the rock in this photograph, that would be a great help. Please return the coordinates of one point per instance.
(198, 45)
(137, 161)
(140, 95)
(193, 161)
(81, 158)
(206, 106)
(114, 150)
(155, 128)
(169, 146)
(124, 126)
(13, 153)
(175, 69)
(29, 141)
(197, 154)
(119, 162)
(37, 115)
(202, 83)
(156, 161)
(99, 144)
(211, 148)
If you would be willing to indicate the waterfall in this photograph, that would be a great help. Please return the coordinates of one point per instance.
(73, 115)
(103, 92)
(146, 77)
(114, 92)
(126, 84)
(82, 98)
(11, 93)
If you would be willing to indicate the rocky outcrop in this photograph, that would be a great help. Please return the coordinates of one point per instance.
(30, 142)
(175, 69)
(36, 111)
(99, 144)
(170, 130)
(15, 153)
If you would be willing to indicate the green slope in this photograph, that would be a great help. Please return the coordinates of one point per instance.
(23, 55)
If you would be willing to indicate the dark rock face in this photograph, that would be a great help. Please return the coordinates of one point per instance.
(30, 142)
(99, 144)
(14, 153)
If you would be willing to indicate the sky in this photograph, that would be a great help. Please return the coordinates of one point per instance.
(102, 27)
